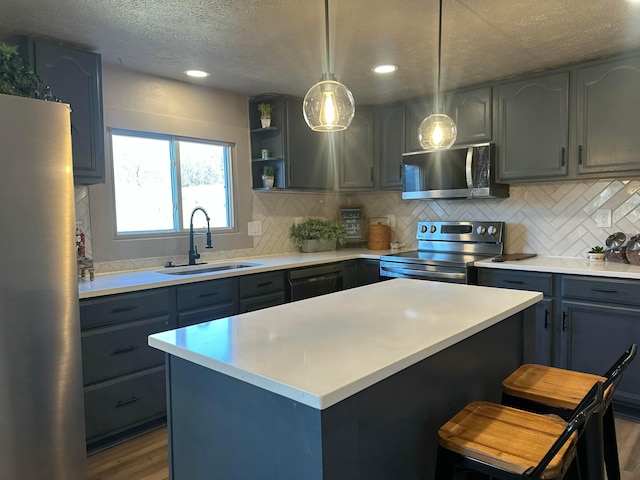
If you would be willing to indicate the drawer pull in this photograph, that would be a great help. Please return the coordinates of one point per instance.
(264, 284)
(128, 401)
(117, 351)
(515, 282)
(546, 319)
(210, 294)
(564, 321)
(124, 309)
(604, 290)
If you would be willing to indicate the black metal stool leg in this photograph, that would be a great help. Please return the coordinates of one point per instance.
(612, 462)
(592, 454)
(445, 464)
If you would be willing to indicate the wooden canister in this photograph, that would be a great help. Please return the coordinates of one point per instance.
(379, 236)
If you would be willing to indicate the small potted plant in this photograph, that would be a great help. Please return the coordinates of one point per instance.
(596, 254)
(317, 234)
(265, 114)
(268, 176)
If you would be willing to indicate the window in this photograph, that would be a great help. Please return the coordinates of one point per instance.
(159, 180)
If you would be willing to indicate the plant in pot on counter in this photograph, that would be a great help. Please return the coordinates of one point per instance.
(596, 254)
(317, 234)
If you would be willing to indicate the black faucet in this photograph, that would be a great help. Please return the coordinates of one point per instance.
(193, 250)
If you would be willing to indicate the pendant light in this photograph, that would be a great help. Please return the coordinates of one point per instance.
(328, 106)
(438, 131)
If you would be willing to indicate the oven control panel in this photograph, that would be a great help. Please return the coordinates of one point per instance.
(485, 232)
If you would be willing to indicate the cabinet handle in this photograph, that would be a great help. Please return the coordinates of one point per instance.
(371, 174)
(118, 351)
(209, 294)
(546, 318)
(515, 282)
(290, 173)
(604, 290)
(400, 172)
(128, 401)
(564, 321)
(562, 157)
(124, 309)
(580, 155)
(264, 284)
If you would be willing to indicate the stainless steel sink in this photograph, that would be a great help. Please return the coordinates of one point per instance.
(216, 267)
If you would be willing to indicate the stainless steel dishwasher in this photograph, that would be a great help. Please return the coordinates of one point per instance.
(307, 282)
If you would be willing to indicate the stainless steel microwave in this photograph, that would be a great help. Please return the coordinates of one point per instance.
(459, 172)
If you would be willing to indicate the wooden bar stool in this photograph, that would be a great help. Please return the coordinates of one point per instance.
(545, 390)
(507, 443)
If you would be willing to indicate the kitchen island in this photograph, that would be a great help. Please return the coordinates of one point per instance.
(344, 386)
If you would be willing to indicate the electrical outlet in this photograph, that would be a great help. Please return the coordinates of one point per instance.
(391, 218)
(603, 218)
(254, 229)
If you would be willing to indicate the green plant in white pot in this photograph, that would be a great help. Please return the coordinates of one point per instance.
(265, 114)
(317, 234)
(268, 176)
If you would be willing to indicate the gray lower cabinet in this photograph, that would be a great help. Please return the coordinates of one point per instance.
(390, 145)
(608, 95)
(204, 301)
(533, 127)
(124, 384)
(262, 290)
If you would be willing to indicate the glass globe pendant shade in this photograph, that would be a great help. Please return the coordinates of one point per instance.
(328, 106)
(437, 131)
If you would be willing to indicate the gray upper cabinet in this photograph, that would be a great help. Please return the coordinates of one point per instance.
(533, 127)
(390, 145)
(472, 112)
(75, 77)
(608, 115)
(416, 111)
(355, 152)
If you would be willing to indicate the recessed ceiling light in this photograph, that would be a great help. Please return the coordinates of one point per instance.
(196, 73)
(385, 68)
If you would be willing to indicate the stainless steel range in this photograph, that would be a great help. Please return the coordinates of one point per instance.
(446, 251)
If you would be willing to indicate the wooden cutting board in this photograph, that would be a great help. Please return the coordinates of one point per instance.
(512, 257)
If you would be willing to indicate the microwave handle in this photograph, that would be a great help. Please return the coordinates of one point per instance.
(468, 170)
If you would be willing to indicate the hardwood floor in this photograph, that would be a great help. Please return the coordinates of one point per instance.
(146, 457)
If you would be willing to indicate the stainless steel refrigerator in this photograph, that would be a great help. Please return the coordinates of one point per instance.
(41, 399)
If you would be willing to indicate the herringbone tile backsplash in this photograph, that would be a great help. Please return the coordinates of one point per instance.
(556, 219)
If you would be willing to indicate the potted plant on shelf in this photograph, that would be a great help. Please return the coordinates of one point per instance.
(265, 114)
(317, 234)
(268, 176)
(596, 254)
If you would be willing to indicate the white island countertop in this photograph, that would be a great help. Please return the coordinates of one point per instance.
(322, 350)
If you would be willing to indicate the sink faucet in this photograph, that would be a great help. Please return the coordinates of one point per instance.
(193, 250)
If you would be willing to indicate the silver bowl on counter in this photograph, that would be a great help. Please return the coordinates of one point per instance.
(616, 251)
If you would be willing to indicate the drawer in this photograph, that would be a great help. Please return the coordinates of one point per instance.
(206, 314)
(114, 351)
(601, 290)
(262, 283)
(124, 307)
(516, 280)
(261, 301)
(125, 402)
(206, 293)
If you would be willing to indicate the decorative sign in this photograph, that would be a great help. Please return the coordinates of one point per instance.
(351, 217)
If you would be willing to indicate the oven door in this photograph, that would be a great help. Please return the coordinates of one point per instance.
(423, 271)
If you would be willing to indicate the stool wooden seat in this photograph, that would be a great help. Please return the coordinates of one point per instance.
(543, 389)
(508, 443)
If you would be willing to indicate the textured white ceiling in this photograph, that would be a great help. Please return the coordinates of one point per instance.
(257, 46)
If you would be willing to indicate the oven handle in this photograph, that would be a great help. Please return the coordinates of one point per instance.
(421, 273)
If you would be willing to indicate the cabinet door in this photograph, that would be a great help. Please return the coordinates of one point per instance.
(533, 126)
(595, 336)
(369, 271)
(308, 154)
(355, 152)
(608, 117)
(472, 112)
(416, 111)
(390, 123)
(75, 77)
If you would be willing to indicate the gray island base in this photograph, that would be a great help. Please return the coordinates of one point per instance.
(224, 426)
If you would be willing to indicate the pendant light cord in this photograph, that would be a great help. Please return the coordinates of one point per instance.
(326, 31)
(438, 110)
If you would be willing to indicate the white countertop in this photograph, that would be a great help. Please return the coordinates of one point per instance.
(567, 266)
(322, 350)
(122, 282)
